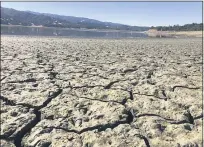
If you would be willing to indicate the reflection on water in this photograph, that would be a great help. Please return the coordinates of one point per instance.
(41, 31)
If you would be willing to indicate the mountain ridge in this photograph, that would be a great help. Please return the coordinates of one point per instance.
(29, 18)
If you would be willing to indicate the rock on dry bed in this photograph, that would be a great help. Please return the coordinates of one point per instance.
(98, 92)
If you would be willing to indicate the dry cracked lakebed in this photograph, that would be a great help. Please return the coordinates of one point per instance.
(64, 92)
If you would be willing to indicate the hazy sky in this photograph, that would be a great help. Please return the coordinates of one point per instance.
(131, 13)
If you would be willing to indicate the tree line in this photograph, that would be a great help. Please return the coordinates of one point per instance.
(186, 27)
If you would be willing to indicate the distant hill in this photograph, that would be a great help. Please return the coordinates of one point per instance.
(29, 18)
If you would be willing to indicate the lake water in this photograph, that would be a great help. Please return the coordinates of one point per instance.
(42, 31)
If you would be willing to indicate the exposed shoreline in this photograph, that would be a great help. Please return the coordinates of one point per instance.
(176, 34)
(101, 92)
(77, 29)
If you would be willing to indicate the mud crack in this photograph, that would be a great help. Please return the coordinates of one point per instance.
(180, 86)
(101, 127)
(20, 134)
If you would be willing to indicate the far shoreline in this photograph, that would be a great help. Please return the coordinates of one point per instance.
(77, 29)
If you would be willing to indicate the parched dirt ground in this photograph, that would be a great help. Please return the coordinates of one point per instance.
(64, 92)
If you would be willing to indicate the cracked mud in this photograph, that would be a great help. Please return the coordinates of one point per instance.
(98, 92)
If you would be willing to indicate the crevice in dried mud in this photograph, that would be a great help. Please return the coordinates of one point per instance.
(6, 76)
(26, 129)
(102, 63)
(50, 97)
(180, 86)
(110, 84)
(7, 101)
(3, 78)
(149, 74)
(130, 116)
(190, 118)
(129, 70)
(198, 117)
(179, 75)
(179, 122)
(101, 127)
(149, 114)
(13, 103)
(84, 86)
(151, 95)
(108, 101)
(144, 138)
(5, 137)
(122, 102)
(52, 75)
(45, 103)
(131, 95)
(98, 76)
(113, 82)
(24, 81)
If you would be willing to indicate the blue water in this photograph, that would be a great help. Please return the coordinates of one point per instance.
(78, 33)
